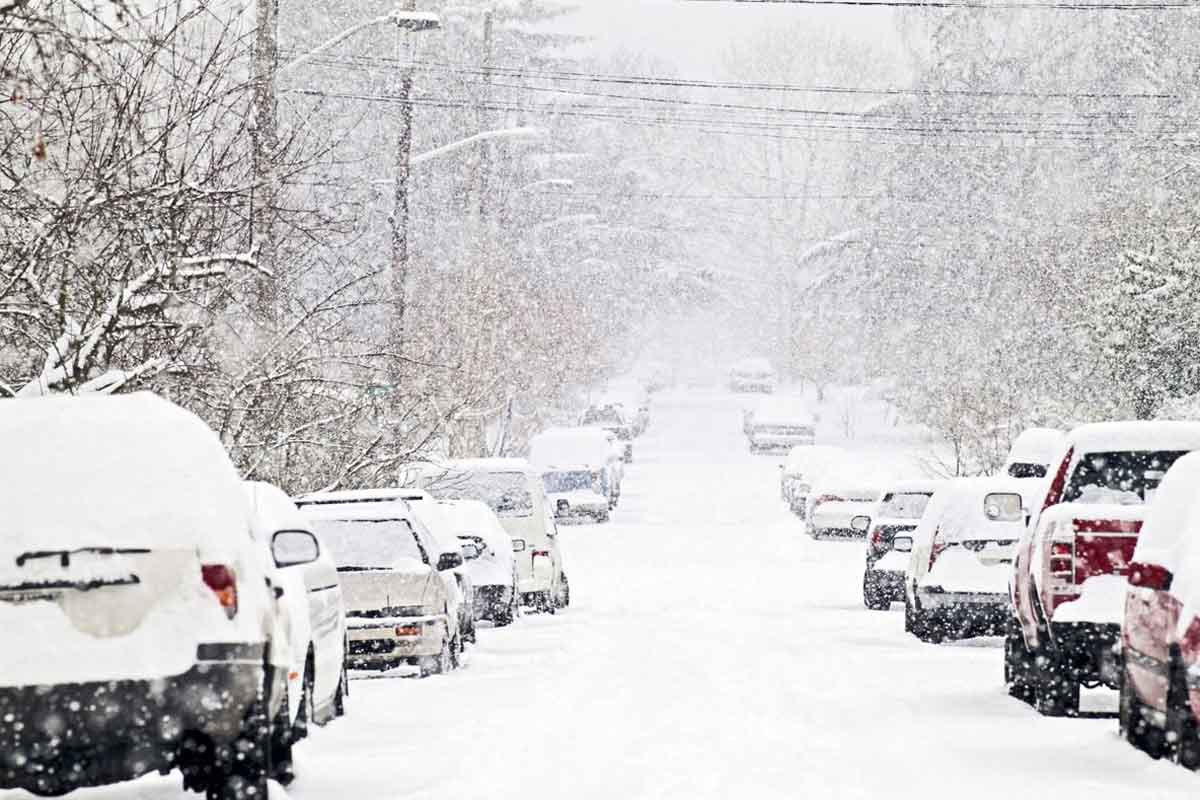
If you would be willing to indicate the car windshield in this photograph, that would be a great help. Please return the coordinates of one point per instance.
(904, 505)
(506, 493)
(1128, 477)
(574, 481)
(1026, 470)
(368, 544)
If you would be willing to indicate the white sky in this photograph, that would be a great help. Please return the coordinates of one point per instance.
(695, 36)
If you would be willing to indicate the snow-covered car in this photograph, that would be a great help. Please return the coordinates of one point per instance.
(1068, 587)
(577, 493)
(805, 466)
(312, 594)
(780, 424)
(1160, 632)
(897, 513)
(514, 490)
(615, 419)
(634, 400)
(835, 504)
(956, 580)
(398, 606)
(1032, 453)
(588, 448)
(139, 629)
(494, 570)
(752, 375)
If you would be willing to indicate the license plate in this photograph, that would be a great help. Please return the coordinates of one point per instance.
(33, 596)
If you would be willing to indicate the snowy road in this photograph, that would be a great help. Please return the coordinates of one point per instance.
(712, 651)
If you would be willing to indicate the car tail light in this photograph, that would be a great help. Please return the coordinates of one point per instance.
(877, 539)
(223, 582)
(408, 630)
(1062, 560)
(1150, 576)
(542, 553)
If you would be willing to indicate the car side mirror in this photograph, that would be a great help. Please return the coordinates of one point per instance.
(860, 524)
(1003, 507)
(449, 561)
(292, 548)
(902, 544)
(518, 545)
(562, 509)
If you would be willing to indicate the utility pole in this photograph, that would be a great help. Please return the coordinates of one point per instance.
(403, 167)
(484, 115)
(264, 144)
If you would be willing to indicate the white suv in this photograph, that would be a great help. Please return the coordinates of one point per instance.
(138, 627)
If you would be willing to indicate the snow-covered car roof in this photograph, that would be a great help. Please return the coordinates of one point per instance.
(913, 486)
(957, 511)
(272, 510)
(433, 516)
(1167, 435)
(813, 456)
(1172, 522)
(1036, 446)
(383, 509)
(359, 496)
(130, 471)
(473, 517)
(558, 446)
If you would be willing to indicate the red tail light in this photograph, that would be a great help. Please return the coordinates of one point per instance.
(542, 553)
(223, 582)
(1150, 576)
(1062, 560)
(877, 539)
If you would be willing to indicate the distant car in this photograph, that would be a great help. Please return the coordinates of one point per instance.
(582, 448)
(398, 605)
(514, 490)
(806, 465)
(1032, 453)
(1068, 587)
(779, 424)
(835, 504)
(577, 493)
(615, 419)
(494, 570)
(753, 375)
(634, 400)
(318, 683)
(956, 582)
(899, 509)
(140, 631)
(1160, 632)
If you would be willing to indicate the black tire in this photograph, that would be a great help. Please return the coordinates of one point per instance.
(1056, 690)
(308, 704)
(1018, 666)
(240, 769)
(908, 615)
(873, 598)
(1134, 727)
(564, 593)
(439, 664)
(339, 696)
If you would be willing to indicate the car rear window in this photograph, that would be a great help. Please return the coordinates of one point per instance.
(574, 481)
(904, 505)
(1128, 477)
(368, 544)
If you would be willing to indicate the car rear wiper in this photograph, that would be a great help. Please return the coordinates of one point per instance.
(82, 586)
(362, 569)
(64, 556)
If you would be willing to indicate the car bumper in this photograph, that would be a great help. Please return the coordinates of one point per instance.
(377, 644)
(1089, 650)
(964, 613)
(779, 442)
(58, 738)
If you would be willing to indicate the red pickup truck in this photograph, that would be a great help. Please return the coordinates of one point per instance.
(1069, 580)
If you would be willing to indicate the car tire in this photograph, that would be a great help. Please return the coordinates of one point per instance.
(908, 615)
(241, 769)
(339, 696)
(1056, 693)
(307, 715)
(873, 598)
(439, 664)
(564, 592)
(1018, 666)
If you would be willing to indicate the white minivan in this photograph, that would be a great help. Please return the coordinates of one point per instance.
(513, 489)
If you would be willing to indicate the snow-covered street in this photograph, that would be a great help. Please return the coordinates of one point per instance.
(711, 650)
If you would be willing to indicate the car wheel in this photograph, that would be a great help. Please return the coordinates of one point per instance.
(308, 705)
(908, 615)
(564, 592)
(873, 598)
(439, 664)
(240, 769)
(1056, 692)
(339, 697)
(457, 648)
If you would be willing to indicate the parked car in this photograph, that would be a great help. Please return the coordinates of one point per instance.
(780, 424)
(1160, 633)
(1069, 578)
(634, 400)
(577, 493)
(752, 375)
(130, 587)
(956, 579)
(312, 593)
(899, 509)
(583, 448)
(398, 606)
(494, 570)
(1032, 453)
(835, 503)
(514, 490)
(805, 465)
(612, 418)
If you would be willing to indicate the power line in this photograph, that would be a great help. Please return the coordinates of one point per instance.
(997, 6)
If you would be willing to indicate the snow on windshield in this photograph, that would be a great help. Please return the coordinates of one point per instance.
(909, 505)
(368, 543)
(567, 481)
(1121, 477)
(506, 493)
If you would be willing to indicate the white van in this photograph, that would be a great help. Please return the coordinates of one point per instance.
(513, 489)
